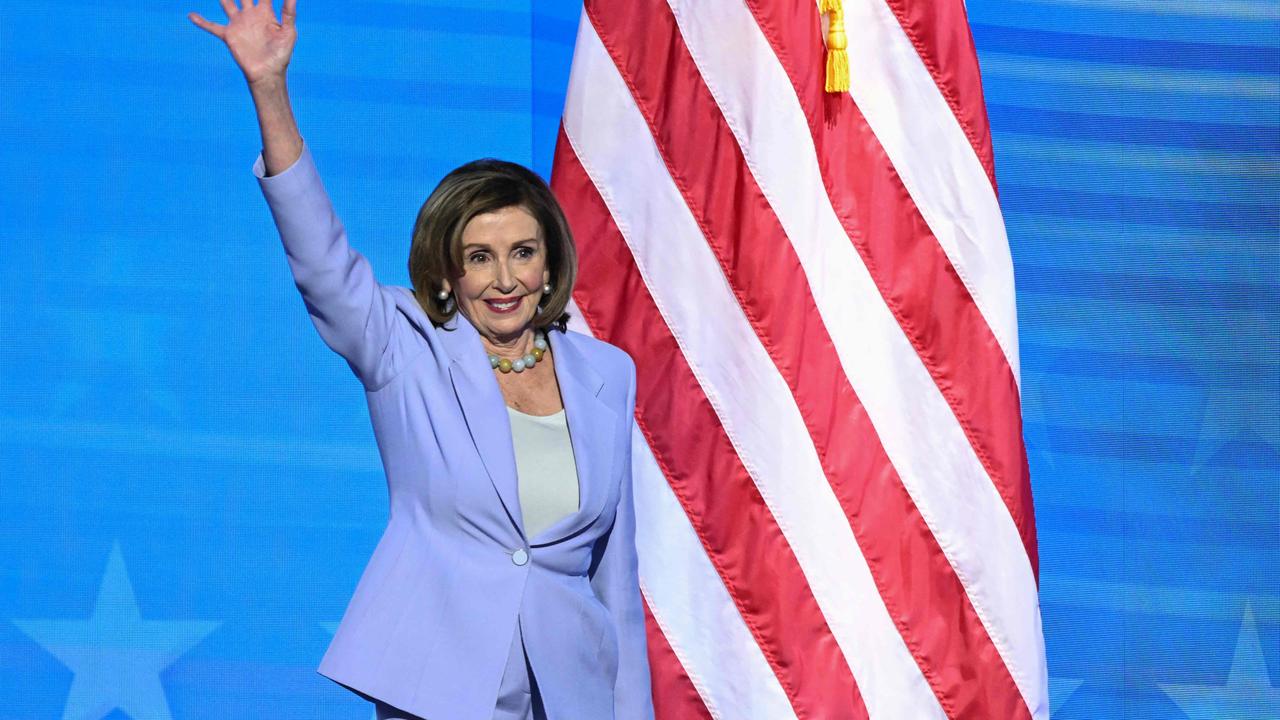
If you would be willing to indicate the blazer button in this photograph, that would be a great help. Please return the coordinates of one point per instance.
(520, 557)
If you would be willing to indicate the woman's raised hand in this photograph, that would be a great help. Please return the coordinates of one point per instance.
(260, 44)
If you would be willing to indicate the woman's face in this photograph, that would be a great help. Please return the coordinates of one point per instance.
(504, 262)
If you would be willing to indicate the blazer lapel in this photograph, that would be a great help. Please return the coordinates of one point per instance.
(592, 432)
(485, 411)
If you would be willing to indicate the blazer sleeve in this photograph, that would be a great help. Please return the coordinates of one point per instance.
(354, 314)
(617, 583)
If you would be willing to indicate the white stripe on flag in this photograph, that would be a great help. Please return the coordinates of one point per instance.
(692, 607)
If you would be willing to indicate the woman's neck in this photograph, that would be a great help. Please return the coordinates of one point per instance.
(509, 348)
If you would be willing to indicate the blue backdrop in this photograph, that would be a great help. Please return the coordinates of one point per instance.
(189, 486)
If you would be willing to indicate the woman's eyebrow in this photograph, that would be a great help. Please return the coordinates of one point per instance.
(487, 246)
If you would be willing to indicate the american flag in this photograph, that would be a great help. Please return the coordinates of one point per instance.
(831, 487)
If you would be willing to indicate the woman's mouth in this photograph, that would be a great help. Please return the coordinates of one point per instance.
(503, 306)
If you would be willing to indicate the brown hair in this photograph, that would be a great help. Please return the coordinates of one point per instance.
(473, 189)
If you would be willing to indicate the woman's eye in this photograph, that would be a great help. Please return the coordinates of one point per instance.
(477, 257)
(525, 252)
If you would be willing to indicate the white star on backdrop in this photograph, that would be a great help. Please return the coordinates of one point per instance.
(116, 656)
(1060, 689)
(1248, 694)
(1233, 413)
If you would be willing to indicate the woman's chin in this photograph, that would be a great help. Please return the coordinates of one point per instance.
(496, 325)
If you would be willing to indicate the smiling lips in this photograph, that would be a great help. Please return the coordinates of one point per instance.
(503, 306)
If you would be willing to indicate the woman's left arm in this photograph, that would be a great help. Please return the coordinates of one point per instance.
(617, 583)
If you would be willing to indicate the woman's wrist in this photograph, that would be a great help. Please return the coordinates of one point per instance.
(267, 84)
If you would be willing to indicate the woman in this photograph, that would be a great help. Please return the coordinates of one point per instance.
(505, 584)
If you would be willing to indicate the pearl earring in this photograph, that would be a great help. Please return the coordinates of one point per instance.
(442, 295)
(546, 289)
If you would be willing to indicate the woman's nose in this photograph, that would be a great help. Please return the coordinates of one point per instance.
(506, 280)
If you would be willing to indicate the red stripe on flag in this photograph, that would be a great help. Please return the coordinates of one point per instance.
(913, 273)
(939, 30)
(742, 540)
(925, 598)
(674, 695)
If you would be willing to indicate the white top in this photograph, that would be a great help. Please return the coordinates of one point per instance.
(548, 475)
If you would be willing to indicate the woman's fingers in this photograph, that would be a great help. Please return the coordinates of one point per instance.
(289, 12)
(213, 28)
(229, 7)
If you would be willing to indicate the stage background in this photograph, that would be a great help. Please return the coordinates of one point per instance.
(189, 486)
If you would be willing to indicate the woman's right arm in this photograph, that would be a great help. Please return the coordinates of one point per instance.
(354, 314)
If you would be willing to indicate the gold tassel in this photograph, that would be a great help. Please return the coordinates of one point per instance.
(837, 43)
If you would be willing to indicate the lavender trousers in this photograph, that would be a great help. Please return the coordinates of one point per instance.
(518, 697)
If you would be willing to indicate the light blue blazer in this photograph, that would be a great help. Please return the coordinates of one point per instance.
(429, 627)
